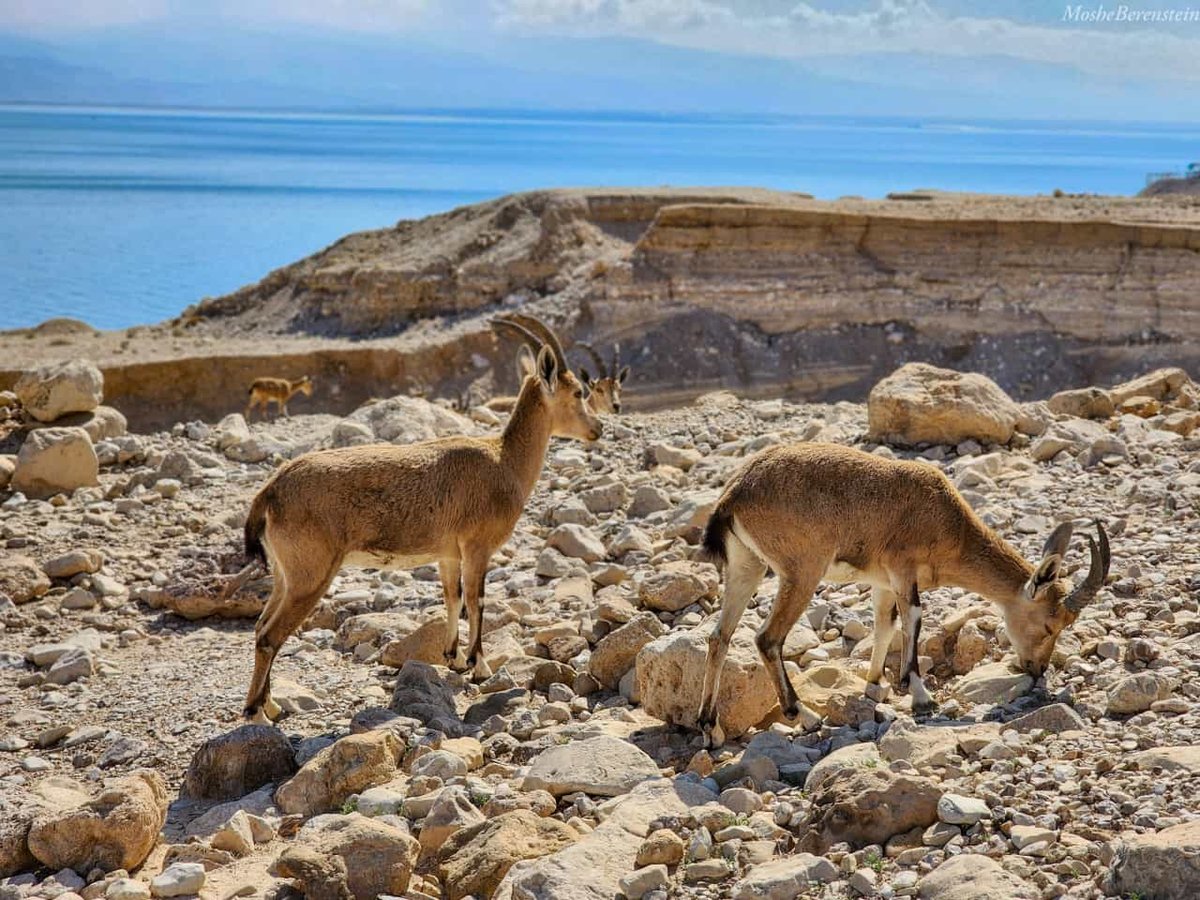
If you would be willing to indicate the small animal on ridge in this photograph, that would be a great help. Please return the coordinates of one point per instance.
(278, 391)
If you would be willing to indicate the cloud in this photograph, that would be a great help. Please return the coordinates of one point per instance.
(77, 15)
(1112, 50)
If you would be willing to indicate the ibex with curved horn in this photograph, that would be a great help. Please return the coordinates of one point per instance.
(822, 511)
(453, 501)
(604, 390)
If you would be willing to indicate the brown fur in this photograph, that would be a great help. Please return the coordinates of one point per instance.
(278, 391)
(452, 500)
(812, 511)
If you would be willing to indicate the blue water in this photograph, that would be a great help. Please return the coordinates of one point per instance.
(124, 216)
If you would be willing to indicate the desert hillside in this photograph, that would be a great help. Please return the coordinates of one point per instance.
(574, 772)
(767, 293)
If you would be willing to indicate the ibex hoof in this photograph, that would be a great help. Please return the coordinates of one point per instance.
(480, 670)
(925, 707)
(272, 709)
(255, 715)
(714, 735)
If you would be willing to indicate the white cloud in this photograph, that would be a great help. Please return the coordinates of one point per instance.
(805, 31)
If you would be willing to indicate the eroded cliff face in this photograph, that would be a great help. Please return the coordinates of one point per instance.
(765, 292)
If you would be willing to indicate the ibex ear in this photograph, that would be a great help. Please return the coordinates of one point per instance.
(547, 369)
(624, 373)
(1052, 556)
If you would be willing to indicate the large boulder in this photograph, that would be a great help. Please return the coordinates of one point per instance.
(973, 876)
(869, 806)
(670, 676)
(116, 830)
(474, 860)
(1162, 865)
(234, 764)
(920, 403)
(15, 819)
(55, 390)
(347, 766)
(101, 423)
(1085, 403)
(601, 766)
(450, 813)
(343, 857)
(592, 868)
(403, 420)
(675, 585)
(21, 578)
(1161, 384)
(836, 692)
(55, 461)
(420, 693)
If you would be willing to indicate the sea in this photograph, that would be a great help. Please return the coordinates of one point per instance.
(122, 216)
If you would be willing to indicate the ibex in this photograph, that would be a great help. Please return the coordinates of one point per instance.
(278, 391)
(605, 390)
(814, 511)
(525, 367)
(452, 500)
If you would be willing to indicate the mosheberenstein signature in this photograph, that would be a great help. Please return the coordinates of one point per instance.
(1123, 13)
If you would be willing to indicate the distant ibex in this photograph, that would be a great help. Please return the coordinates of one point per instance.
(605, 390)
(813, 511)
(278, 391)
(452, 500)
(524, 370)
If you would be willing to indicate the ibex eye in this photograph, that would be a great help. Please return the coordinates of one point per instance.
(578, 394)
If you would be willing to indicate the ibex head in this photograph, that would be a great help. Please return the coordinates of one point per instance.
(562, 392)
(305, 386)
(604, 390)
(1051, 602)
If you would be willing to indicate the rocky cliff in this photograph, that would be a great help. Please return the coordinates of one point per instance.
(760, 291)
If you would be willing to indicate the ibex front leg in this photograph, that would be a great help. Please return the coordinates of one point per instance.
(475, 562)
(450, 571)
(910, 620)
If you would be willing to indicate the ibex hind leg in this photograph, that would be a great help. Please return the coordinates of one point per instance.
(450, 571)
(474, 575)
(285, 611)
(743, 573)
(795, 592)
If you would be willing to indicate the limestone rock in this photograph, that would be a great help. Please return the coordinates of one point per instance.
(673, 586)
(55, 390)
(348, 766)
(601, 766)
(785, 879)
(1134, 693)
(116, 830)
(351, 858)
(74, 562)
(1084, 403)
(451, 812)
(1159, 865)
(473, 861)
(617, 651)
(851, 757)
(919, 403)
(670, 675)
(1184, 759)
(869, 806)
(994, 683)
(577, 542)
(836, 692)
(21, 578)
(238, 762)
(55, 461)
(423, 645)
(972, 876)
(101, 423)
(404, 419)
(178, 880)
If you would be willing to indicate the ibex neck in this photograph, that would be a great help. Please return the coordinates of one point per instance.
(527, 435)
(989, 565)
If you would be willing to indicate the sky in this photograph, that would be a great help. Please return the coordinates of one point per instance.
(998, 58)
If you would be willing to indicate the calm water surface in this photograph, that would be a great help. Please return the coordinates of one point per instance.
(121, 216)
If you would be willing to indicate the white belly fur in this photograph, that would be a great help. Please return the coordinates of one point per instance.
(369, 560)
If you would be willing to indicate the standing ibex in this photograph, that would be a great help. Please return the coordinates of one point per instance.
(453, 500)
(813, 511)
(605, 390)
(278, 391)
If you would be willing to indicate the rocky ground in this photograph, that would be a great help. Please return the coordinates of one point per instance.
(125, 769)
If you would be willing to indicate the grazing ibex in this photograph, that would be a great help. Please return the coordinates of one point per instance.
(604, 390)
(814, 511)
(278, 391)
(452, 500)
